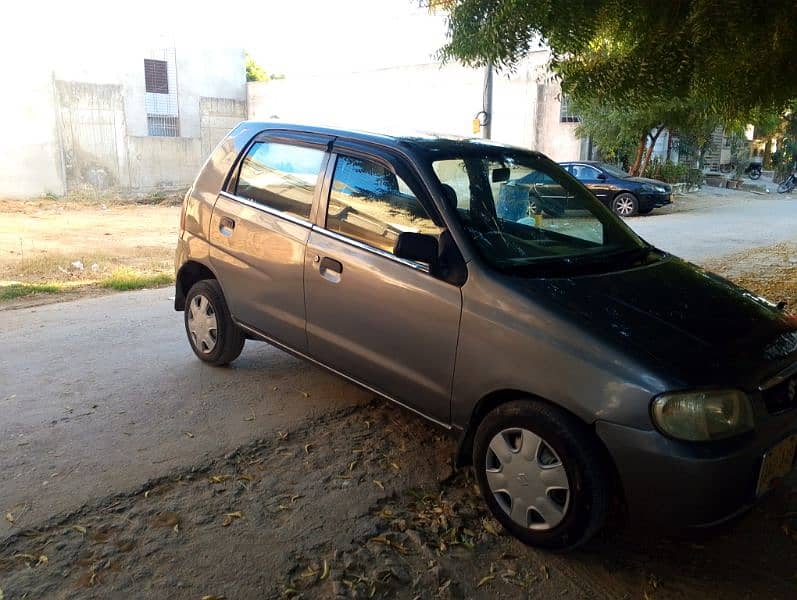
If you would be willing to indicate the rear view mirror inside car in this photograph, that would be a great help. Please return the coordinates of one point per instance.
(500, 175)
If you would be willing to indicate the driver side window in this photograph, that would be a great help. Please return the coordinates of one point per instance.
(370, 203)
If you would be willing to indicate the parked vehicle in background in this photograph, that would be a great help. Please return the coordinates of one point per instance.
(788, 184)
(576, 363)
(624, 194)
(753, 170)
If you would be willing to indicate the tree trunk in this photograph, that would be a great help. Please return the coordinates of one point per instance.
(767, 163)
(634, 170)
(649, 153)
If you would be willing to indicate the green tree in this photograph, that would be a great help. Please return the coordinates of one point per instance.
(730, 55)
(254, 72)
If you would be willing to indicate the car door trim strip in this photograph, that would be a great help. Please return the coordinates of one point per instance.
(372, 249)
(267, 209)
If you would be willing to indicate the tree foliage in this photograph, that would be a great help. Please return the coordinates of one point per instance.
(730, 56)
(254, 72)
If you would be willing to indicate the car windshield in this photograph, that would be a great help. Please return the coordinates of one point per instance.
(524, 211)
(613, 171)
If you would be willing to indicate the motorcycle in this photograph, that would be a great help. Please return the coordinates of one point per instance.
(753, 171)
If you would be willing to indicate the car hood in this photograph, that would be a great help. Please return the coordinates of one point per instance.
(693, 325)
(648, 180)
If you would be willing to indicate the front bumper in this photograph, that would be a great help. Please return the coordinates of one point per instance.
(654, 200)
(680, 484)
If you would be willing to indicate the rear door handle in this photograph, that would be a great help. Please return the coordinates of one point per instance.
(226, 226)
(330, 269)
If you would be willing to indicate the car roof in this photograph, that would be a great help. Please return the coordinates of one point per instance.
(428, 142)
(593, 163)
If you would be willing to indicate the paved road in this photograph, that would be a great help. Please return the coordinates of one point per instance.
(717, 222)
(99, 395)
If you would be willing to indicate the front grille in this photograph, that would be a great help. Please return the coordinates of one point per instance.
(781, 397)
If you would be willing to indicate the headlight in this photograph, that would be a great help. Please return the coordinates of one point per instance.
(703, 415)
(647, 187)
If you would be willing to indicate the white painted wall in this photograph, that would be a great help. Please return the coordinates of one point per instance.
(427, 98)
(30, 149)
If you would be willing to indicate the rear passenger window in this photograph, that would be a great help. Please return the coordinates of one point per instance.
(281, 176)
(369, 203)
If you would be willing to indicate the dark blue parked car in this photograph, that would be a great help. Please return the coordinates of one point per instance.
(625, 195)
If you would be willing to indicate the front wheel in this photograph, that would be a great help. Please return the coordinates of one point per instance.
(213, 335)
(625, 205)
(786, 185)
(542, 474)
(754, 174)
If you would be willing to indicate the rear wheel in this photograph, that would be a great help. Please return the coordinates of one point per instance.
(213, 335)
(786, 185)
(542, 474)
(625, 204)
(755, 174)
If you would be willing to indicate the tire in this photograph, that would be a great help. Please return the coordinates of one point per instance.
(754, 174)
(786, 185)
(213, 335)
(561, 445)
(625, 204)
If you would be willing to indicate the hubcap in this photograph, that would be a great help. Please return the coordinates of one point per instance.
(624, 206)
(202, 324)
(527, 479)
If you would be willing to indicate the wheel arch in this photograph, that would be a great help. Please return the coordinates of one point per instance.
(494, 399)
(189, 274)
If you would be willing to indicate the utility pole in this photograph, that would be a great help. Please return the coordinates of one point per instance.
(487, 102)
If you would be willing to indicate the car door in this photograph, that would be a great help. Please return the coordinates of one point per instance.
(382, 320)
(595, 179)
(259, 230)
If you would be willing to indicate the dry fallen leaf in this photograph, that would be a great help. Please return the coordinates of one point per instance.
(395, 466)
(379, 484)
(353, 464)
(214, 597)
(219, 478)
(230, 517)
(43, 560)
(9, 517)
(325, 572)
(188, 434)
(176, 528)
(307, 448)
(282, 435)
(485, 580)
(79, 528)
(295, 497)
(2, 595)
(489, 527)
(306, 394)
(245, 477)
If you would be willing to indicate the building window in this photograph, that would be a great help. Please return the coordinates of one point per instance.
(160, 84)
(163, 125)
(565, 116)
(156, 76)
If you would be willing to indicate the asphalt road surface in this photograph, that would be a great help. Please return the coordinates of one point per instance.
(100, 395)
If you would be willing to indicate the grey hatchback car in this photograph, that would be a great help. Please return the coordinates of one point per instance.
(580, 367)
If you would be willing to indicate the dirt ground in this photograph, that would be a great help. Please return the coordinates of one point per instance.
(76, 245)
(364, 503)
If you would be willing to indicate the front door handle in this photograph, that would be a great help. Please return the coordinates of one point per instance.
(330, 269)
(226, 226)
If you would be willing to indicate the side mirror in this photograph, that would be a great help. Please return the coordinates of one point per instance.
(420, 247)
(500, 175)
(601, 177)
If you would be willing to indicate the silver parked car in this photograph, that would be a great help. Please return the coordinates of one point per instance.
(576, 363)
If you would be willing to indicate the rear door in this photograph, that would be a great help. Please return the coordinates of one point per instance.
(591, 177)
(259, 230)
(383, 320)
